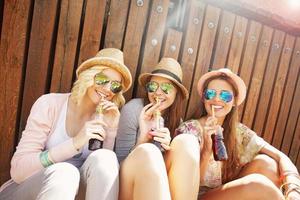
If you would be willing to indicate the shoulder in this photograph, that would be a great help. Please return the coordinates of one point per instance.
(49, 104)
(53, 98)
(191, 126)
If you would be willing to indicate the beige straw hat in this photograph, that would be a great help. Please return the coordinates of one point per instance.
(112, 58)
(167, 68)
(239, 84)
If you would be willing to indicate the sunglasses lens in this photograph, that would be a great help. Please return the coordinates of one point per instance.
(151, 86)
(101, 79)
(115, 86)
(226, 96)
(209, 94)
(166, 87)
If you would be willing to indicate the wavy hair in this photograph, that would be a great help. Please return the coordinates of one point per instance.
(85, 80)
(231, 167)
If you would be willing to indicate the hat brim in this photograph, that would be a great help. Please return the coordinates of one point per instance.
(143, 79)
(239, 84)
(109, 62)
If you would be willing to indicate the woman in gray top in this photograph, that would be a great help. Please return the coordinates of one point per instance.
(146, 172)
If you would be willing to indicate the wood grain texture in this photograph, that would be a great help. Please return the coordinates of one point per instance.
(12, 58)
(287, 97)
(66, 46)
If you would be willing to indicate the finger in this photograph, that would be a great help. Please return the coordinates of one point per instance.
(166, 147)
(164, 130)
(98, 122)
(152, 109)
(101, 132)
(161, 140)
(147, 107)
(96, 136)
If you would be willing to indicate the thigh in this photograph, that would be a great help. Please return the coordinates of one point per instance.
(254, 186)
(265, 165)
(27, 190)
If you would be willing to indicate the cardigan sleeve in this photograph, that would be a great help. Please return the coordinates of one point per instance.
(40, 122)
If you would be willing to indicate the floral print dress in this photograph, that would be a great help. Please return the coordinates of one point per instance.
(249, 144)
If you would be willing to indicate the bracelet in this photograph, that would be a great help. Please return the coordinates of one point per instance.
(45, 160)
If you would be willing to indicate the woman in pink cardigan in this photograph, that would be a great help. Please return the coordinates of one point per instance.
(53, 156)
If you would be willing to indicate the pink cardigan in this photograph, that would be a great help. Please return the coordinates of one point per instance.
(40, 125)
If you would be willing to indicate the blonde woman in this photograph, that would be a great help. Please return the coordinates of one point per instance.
(254, 169)
(52, 157)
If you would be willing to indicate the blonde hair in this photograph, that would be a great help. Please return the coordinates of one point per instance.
(86, 79)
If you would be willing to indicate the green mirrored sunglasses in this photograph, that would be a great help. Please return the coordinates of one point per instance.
(153, 86)
(101, 80)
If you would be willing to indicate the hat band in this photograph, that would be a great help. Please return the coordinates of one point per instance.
(163, 71)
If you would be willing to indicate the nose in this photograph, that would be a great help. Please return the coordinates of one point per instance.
(159, 91)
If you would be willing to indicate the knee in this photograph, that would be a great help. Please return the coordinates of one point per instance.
(103, 161)
(147, 156)
(265, 162)
(260, 187)
(186, 145)
(63, 174)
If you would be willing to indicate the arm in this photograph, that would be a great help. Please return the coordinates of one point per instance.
(128, 128)
(34, 137)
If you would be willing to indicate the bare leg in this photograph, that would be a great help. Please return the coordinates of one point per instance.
(265, 165)
(143, 175)
(250, 187)
(182, 163)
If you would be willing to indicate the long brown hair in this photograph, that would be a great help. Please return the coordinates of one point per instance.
(231, 167)
(174, 113)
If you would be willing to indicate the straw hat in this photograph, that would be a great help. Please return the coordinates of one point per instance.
(166, 68)
(112, 58)
(239, 84)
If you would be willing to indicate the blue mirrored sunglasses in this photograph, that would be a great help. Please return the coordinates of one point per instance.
(224, 95)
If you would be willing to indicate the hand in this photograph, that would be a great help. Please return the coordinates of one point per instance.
(91, 129)
(111, 114)
(210, 128)
(147, 121)
(162, 136)
(293, 195)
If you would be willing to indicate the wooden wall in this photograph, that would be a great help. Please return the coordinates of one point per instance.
(43, 41)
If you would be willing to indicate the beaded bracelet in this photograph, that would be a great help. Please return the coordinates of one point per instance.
(44, 158)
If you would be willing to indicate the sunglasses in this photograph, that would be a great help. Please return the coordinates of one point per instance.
(101, 80)
(224, 95)
(153, 86)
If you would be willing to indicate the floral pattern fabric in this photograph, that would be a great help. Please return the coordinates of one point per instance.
(249, 144)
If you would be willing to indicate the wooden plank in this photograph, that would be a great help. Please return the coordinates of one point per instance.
(136, 25)
(296, 139)
(12, 58)
(291, 125)
(237, 44)
(224, 38)
(249, 56)
(92, 29)
(66, 45)
(39, 53)
(116, 23)
(287, 97)
(154, 37)
(172, 43)
(268, 81)
(190, 42)
(204, 54)
(278, 87)
(1, 16)
(258, 74)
